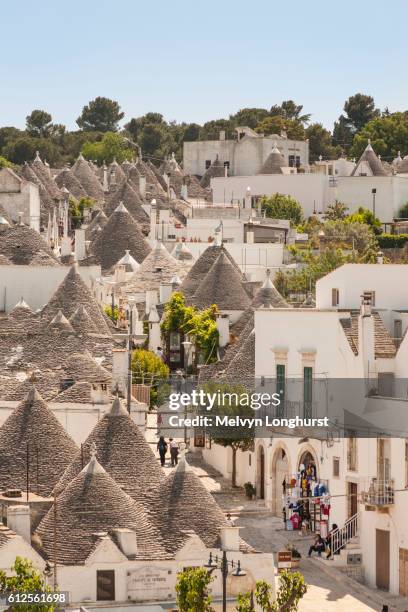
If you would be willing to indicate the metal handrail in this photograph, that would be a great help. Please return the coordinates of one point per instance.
(341, 536)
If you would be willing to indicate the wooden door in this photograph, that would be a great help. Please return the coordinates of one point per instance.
(382, 562)
(403, 572)
(105, 585)
(352, 499)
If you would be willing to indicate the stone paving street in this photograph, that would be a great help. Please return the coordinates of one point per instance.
(329, 590)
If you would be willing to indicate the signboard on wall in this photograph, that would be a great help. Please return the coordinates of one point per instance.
(150, 582)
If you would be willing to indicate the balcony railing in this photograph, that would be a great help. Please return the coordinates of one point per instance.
(380, 493)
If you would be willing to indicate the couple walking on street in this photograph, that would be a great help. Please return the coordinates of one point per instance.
(162, 447)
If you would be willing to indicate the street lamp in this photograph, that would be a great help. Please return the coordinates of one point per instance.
(374, 191)
(187, 346)
(223, 563)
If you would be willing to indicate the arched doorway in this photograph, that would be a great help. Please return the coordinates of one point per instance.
(307, 461)
(280, 474)
(260, 481)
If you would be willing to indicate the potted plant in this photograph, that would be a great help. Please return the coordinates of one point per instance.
(249, 490)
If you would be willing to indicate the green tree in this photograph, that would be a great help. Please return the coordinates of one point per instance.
(279, 206)
(112, 146)
(336, 211)
(403, 212)
(149, 369)
(23, 148)
(4, 163)
(290, 110)
(320, 142)
(360, 109)
(192, 589)
(366, 216)
(136, 125)
(275, 125)
(39, 124)
(77, 209)
(211, 129)
(292, 588)
(200, 325)
(25, 579)
(388, 135)
(237, 438)
(342, 134)
(101, 114)
(249, 117)
(8, 135)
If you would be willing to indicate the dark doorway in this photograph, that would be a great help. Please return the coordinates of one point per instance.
(382, 561)
(105, 585)
(261, 473)
(352, 498)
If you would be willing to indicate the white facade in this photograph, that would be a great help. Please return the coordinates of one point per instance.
(36, 284)
(245, 155)
(20, 199)
(311, 190)
(391, 194)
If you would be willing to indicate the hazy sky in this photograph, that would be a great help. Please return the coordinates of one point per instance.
(196, 61)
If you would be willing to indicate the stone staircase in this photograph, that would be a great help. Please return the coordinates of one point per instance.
(347, 553)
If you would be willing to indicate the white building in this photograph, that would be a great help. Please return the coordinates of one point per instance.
(20, 198)
(245, 155)
(367, 477)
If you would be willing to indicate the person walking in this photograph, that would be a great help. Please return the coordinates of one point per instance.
(162, 448)
(174, 451)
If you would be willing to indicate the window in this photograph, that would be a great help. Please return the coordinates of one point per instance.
(294, 161)
(352, 453)
(280, 388)
(105, 585)
(336, 467)
(307, 392)
(207, 163)
(335, 297)
(369, 297)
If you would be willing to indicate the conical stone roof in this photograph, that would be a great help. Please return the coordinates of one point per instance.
(92, 507)
(222, 286)
(201, 267)
(72, 293)
(66, 178)
(120, 233)
(43, 173)
(268, 295)
(216, 169)
(125, 193)
(22, 244)
(370, 159)
(81, 322)
(83, 367)
(61, 323)
(32, 424)
(183, 503)
(158, 267)
(124, 453)
(98, 222)
(88, 179)
(274, 162)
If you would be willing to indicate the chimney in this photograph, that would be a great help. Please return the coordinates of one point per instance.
(119, 369)
(248, 199)
(184, 192)
(154, 328)
(105, 179)
(137, 324)
(120, 273)
(250, 239)
(223, 330)
(225, 170)
(165, 291)
(18, 520)
(80, 247)
(142, 186)
(127, 541)
(230, 539)
(66, 249)
(366, 331)
(222, 134)
(151, 299)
